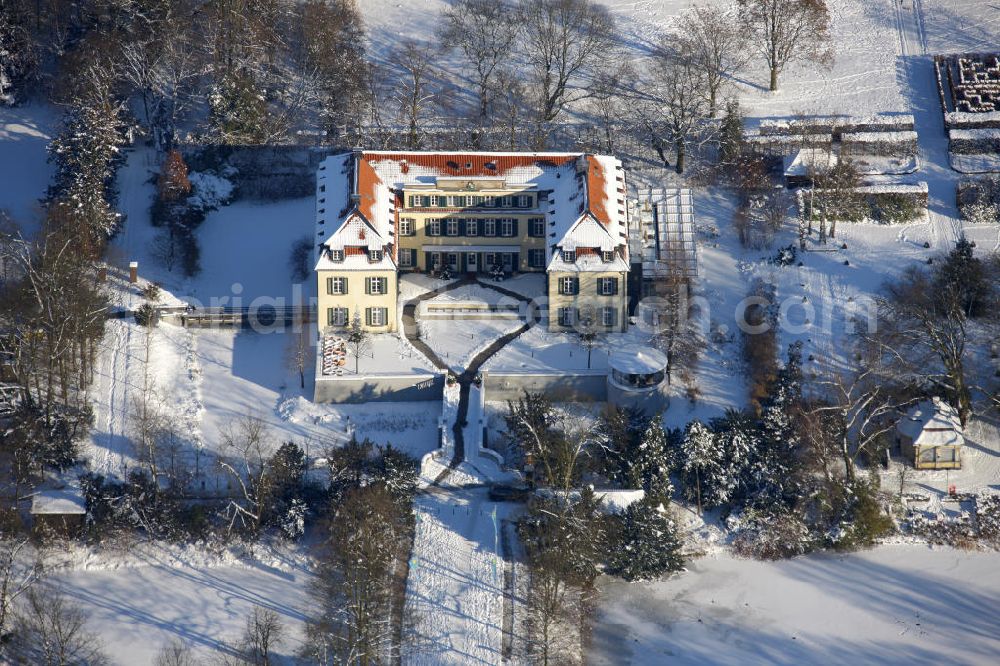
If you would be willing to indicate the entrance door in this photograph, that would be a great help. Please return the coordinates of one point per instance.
(508, 259)
(453, 261)
(472, 262)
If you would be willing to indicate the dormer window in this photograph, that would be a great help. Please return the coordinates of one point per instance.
(569, 256)
(336, 255)
(524, 201)
(608, 256)
(374, 256)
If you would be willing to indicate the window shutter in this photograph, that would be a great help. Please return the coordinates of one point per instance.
(368, 316)
(562, 286)
(600, 286)
(329, 285)
(345, 285)
(515, 227)
(614, 286)
(385, 315)
(576, 285)
(384, 285)
(368, 285)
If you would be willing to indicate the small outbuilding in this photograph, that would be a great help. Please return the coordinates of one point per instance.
(637, 377)
(930, 435)
(803, 164)
(62, 510)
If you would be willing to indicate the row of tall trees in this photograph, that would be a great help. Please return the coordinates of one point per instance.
(268, 68)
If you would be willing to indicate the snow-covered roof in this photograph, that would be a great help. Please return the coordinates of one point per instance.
(635, 360)
(932, 423)
(582, 195)
(805, 160)
(664, 236)
(59, 501)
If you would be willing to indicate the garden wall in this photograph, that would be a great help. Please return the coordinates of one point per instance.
(414, 387)
(580, 386)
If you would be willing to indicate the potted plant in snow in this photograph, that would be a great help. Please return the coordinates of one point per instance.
(451, 379)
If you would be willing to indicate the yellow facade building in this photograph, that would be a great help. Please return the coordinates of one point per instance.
(382, 213)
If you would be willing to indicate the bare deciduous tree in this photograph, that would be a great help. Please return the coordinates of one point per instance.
(712, 36)
(566, 42)
(864, 408)
(923, 333)
(784, 31)
(485, 32)
(299, 350)
(353, 592)
(17, 573)
(671, 108)
(264, 632)
(246, 442)
(175, 653)
(52, 631)
(413, 95)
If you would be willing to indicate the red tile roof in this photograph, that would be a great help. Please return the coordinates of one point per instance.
(480, 164)
(596, 191)
(368, 180)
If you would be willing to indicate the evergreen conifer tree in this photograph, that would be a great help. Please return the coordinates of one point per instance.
(648, 544)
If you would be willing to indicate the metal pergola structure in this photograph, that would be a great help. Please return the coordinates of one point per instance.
(662, 233)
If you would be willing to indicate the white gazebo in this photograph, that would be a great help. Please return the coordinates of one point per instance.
(637, 377)
(930, 435)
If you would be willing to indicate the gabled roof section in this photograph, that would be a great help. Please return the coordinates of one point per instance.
(588, 232)
(357, 231)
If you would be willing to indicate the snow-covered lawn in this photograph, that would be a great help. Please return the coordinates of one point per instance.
(903, 604)
(206, 379)
(135, 610)
(457, 341)
(541, 350)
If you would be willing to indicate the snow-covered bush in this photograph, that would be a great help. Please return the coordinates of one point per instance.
(770, 534)
(979, 200)
(209, 191)
(988, 519)
(957, 533)
(893, 208)
(645, 543)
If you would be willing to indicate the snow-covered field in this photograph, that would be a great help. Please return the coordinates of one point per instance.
(906, 604)
(160, 597)
(862, 79)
